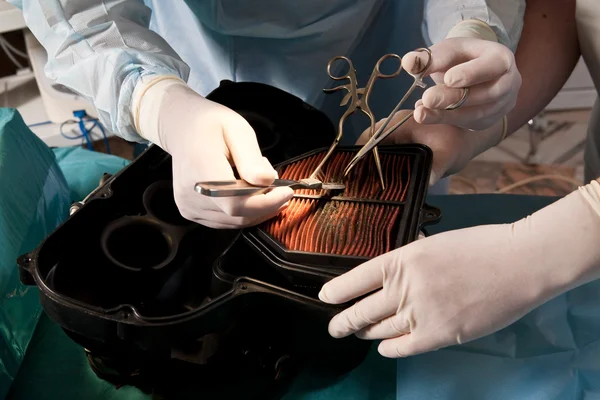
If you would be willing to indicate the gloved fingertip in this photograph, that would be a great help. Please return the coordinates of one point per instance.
(433, 178)
(335, 331)
(280, 197)
(389, 351)
(287, 194)
(269, 166)
(420, 114)
(413, 62)
(454, 80)
(261, 175)
(323, 295)
(362, 334)
(329, 294)
(429, 116)
(430, 98)
(432, 102)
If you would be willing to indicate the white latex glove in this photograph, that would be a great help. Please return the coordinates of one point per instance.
(205, 139)
(469, 57)
(453, 148)
(458, 286)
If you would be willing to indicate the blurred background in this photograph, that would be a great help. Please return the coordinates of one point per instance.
(545, 157)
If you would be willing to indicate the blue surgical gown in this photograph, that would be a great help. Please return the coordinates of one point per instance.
(100, 49)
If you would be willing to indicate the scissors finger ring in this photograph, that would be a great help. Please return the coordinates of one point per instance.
(459, 102)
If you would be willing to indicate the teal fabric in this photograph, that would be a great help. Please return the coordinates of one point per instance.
(374, 379)
(34, 200)
(83, 168)
(55, 368)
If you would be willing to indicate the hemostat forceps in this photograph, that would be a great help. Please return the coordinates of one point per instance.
(359, 100)
(381, 132)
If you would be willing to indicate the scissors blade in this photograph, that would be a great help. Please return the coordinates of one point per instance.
(373, 142)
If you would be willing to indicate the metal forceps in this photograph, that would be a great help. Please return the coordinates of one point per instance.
(359, 100)
(240, 187)
(381, 133)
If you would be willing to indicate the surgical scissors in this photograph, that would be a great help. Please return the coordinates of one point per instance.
(359, 100)
(380, 134)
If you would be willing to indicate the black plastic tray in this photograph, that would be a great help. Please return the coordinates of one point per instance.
(188, 286)
(148, 312)
(285, 126)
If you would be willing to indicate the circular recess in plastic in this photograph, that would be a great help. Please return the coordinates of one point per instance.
(267, 135)
(159, 202)
(285, 126)
(137, 244)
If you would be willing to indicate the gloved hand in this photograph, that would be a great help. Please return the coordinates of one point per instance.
(469, 58)
(205, 140)
(452, 147)
(458, 286)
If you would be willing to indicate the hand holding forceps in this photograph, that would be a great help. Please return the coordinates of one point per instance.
(381, 133)
(359, 100)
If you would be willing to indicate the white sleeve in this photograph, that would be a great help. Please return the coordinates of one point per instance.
(505, 17)
(101, 50)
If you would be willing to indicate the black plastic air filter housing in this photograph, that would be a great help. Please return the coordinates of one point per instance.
(155, 299)
(285, 126)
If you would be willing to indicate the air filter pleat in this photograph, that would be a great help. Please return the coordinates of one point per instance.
(344, 227)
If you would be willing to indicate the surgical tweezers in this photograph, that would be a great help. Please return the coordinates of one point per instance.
(359, 100)
(239, 187)
(381, 132)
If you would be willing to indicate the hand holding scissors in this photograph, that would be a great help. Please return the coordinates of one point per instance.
(381, 132)
(359, 100)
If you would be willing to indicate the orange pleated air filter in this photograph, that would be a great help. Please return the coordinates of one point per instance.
(362, 221)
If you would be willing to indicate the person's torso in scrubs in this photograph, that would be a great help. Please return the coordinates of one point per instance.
(240, 40)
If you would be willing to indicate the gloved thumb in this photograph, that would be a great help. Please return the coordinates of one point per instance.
(245, 153)
(439, 168)
(405, 346)
(433, 178)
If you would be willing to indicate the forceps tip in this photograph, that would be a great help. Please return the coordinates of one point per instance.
(349, 167)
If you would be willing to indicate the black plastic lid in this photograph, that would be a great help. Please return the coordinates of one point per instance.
(285, 126)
